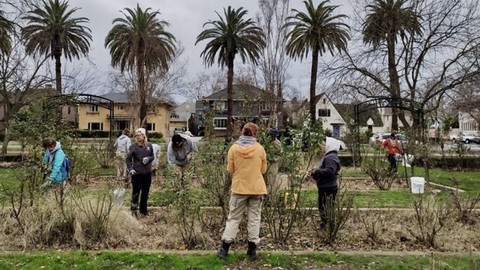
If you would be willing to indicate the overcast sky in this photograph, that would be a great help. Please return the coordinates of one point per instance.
(186, 19)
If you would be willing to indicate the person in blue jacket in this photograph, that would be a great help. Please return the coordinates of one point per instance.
(54, 158)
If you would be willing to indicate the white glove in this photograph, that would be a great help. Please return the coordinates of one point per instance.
(145, 160)
(132, 172)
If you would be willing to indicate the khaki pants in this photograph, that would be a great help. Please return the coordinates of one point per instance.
(121, 165)
(238, 205)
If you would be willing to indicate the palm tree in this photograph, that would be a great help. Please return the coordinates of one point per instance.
(6, 27)
(228, 36)
(51, 31)
(140, 43)
(317, 30)
(386, 19)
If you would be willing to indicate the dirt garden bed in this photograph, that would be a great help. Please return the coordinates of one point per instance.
(389, 230)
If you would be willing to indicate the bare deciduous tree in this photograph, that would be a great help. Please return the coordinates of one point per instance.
(273, 62)
(429, 66)
(205, 84)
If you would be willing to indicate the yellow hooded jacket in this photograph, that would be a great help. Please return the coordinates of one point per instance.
(247, 163)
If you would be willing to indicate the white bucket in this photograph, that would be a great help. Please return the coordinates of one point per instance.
(418, 184)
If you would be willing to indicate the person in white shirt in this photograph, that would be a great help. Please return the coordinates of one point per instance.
(121, 146)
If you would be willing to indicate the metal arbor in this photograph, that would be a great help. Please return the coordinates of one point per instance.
(376, 102)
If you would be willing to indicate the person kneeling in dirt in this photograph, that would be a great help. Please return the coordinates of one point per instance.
(326, 178)
(179, 152)
(139, 159)
(54, 158)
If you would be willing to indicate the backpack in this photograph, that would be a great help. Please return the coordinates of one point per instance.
(66, 165)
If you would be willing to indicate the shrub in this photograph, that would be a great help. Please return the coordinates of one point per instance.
(431, 216)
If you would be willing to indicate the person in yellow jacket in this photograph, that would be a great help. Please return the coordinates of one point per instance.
(247, 162)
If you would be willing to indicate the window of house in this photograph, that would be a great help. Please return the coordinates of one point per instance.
(324, 101)
(92, 108)
(120, 107)
(151, 126)
(95, 126)
(220, 105)
(264, 106)
(220, 123)
(324, 112)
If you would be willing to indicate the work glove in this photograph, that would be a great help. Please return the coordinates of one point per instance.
(145, 160)
(132, 172)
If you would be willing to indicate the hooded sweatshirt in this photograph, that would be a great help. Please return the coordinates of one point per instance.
(180, 156)
(123, 143)
(247, 162)
(327, 173)
(55, 160)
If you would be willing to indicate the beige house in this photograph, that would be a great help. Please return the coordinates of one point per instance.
(125, 114)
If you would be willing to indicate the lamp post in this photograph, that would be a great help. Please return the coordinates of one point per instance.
(187, 109)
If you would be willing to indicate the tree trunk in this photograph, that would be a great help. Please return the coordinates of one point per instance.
(230, 60)
(393, 76)
(58, 70)
(313, 84)
(142, 96)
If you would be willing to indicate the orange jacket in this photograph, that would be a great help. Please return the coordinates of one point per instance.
(392, 146)
(247, 164)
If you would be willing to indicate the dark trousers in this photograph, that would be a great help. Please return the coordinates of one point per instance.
(140, 188)
(393, 162)
(326, 198)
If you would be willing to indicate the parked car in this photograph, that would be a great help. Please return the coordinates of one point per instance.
(377, 139)
(466, 138)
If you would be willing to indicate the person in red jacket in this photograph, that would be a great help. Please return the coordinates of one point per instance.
(393, 147)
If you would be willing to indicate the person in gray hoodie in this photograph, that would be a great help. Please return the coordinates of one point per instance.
(179, 153)
(326, 177)
(122, 144)
(139, 160)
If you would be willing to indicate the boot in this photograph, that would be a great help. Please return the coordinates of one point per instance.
(134, 210)
(252, 250)
(223, 250)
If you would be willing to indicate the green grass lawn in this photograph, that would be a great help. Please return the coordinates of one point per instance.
(237, 260)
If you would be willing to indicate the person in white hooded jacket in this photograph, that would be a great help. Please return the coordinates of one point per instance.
(326, 178)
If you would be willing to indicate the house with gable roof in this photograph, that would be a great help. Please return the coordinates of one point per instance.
(335, 116)
(249, 103)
